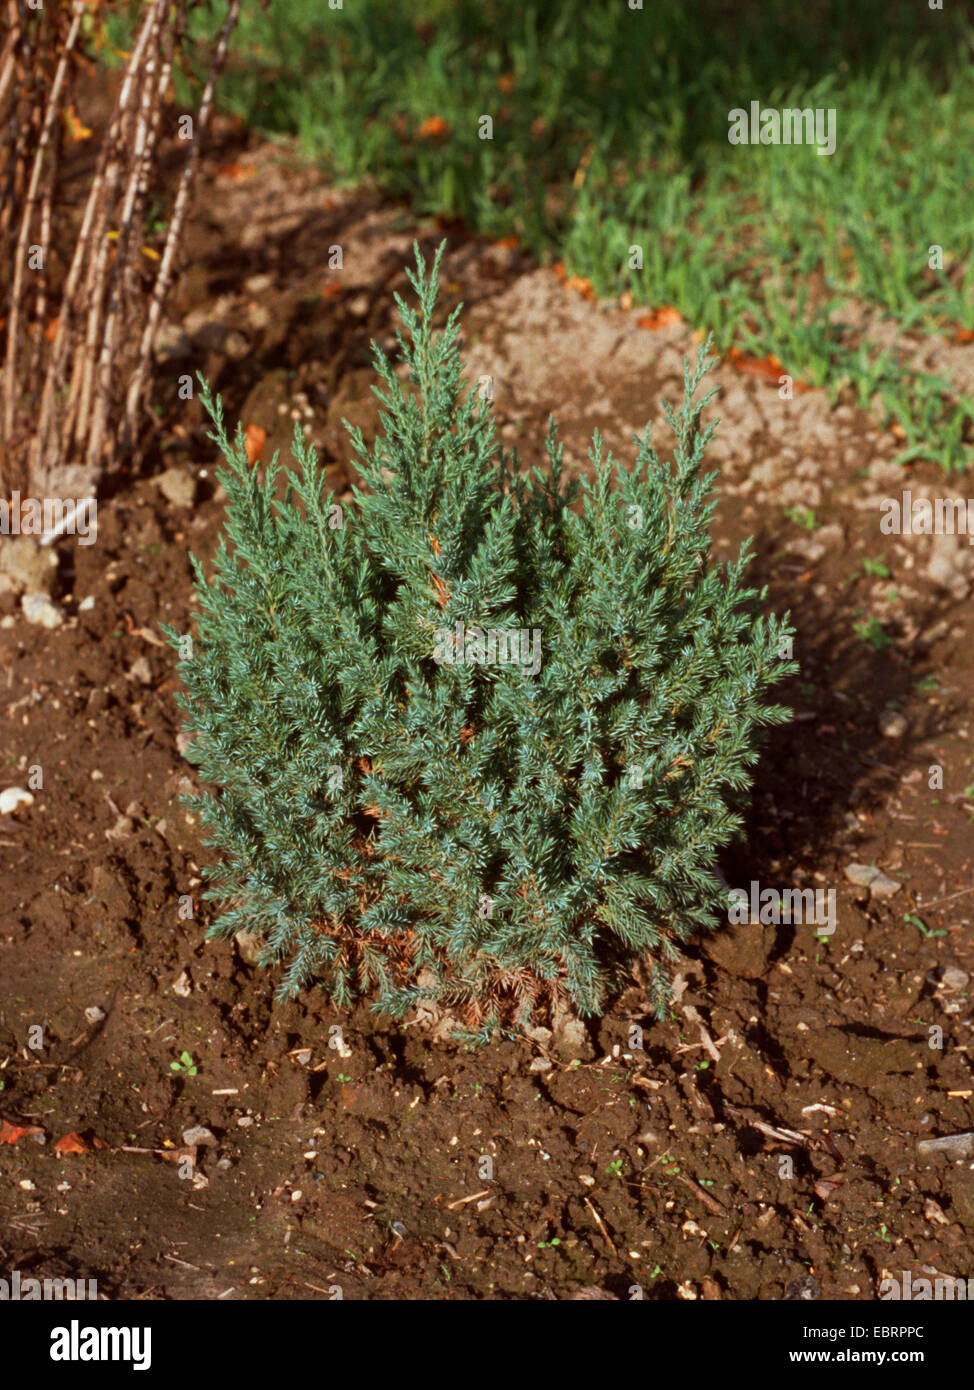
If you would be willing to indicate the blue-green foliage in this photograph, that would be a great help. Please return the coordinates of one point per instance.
(473, 833)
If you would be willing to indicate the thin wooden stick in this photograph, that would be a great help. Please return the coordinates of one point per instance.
(99, 271)
(180, 208)
(20, 260)
(104, 325)
(102, 378)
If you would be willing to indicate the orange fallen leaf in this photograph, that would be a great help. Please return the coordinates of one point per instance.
(432, 127)
(578, 282)
(508, 241)
(236, 171)
(663, 317)
(50, 330)
(507, 82)
(435, 544)
(255, 437)
(768, 367)
(559, 269)
(330, 290)
(9, 1134)
(964, 335)
(152, 254)
(71, 1144)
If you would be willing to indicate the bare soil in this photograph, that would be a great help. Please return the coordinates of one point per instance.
(762, 1144)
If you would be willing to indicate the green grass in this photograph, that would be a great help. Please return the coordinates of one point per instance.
(610, 130)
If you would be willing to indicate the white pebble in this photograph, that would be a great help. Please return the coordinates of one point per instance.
(13, 798)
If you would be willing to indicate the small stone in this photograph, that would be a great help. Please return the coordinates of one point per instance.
(954, 1145)
(39, 610)
(943, 568)
(570, 1037)
(953, 980)
(831, 536)
(12, 799)
(808, 548)
(883, 887)
(183, 986)
(539, 1035)
(95, 1015)
(251, 947)
(893, 724)
(934, 1212)
(257, 284)
(540, 1064)
(245, 1121)
(199, 1137)
(86, 604)
(177, 486)
(804, 1290)
(880, 885)
(26, 566)
(140, 671)
(184, 743)
(359, 306)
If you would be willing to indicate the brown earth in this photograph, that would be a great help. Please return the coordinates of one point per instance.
(762, 1144)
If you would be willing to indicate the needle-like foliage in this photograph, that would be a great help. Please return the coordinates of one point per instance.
(479, 736)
